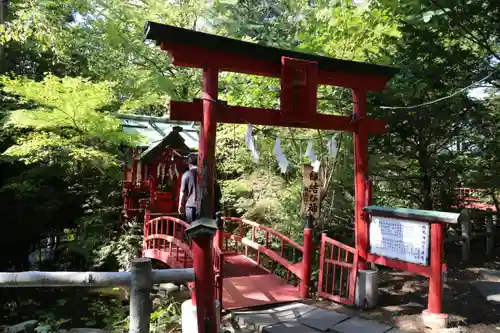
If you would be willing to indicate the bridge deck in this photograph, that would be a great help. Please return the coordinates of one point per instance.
(245, 283)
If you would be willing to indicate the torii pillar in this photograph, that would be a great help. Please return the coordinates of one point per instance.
(300, 75)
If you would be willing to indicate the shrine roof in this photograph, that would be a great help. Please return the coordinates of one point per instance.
(155, 129)
(409, 214)
(180, 36)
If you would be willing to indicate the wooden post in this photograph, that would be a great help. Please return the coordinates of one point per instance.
(307, 259)
(360, 177)
(203, 297)
(435, 299)
(140, 295)
(490, 236)
(465, 224)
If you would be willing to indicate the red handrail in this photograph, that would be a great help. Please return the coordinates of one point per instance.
(165, 234)
(266, 249)
(218, 262)
(267, 229)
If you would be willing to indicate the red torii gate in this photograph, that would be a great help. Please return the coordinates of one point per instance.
(300, 75)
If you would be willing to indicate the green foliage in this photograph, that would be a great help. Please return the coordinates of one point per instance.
(61, 160)
(166, 318)
(66, 121)
(123, 246)
(64, 129)
(109, 35)
(359, 33)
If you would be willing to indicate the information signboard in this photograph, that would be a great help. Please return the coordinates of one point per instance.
(311, 192)
(404, 240)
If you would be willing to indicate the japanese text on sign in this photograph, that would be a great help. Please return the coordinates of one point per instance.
(400, 239)
(311, 192)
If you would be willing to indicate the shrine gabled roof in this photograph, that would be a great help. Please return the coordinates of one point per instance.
(155, 129)
(409, 214)
(175, 35)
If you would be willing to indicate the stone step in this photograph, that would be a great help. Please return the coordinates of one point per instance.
(303, 318)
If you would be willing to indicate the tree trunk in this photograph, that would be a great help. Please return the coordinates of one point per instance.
(494, 197)
(3, 17)
(423, 161)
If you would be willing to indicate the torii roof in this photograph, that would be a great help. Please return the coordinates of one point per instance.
(163, 33)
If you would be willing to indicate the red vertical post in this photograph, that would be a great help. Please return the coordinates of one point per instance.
(126, 168)
(152, 183)
(147, 218)
(307, 258)
(202, 244)
(360, 176)
(219, 236)
(206, 154)
(435, 301)
(134, 166)
(204, 285)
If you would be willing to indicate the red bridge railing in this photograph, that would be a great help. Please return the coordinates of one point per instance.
(165, 240)
(270, 249)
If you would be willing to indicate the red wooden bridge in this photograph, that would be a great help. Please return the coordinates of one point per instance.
(253, 264)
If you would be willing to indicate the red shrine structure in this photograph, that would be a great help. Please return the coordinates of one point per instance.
(152, 171)
(243, 263)
(474, 198)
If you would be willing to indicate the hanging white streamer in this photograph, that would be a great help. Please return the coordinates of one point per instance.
(315, 163)
(332, 146)
(282, 160)
(248, 135)
(310, 152)
(249, 141)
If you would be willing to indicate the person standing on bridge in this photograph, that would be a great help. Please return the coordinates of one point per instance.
(189, 200)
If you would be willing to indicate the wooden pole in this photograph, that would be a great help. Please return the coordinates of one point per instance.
(435, 299)
(140, 295)
(465, 225)
(490, 236)
(204, 297)
(307, 259)
(88, 279)
(360, 176)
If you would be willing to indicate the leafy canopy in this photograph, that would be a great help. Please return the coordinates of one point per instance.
(66, 121)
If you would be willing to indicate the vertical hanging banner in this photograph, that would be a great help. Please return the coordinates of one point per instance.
(315, 163)
(332, 146)
(311, 193)
(249, 141)
(280, 157)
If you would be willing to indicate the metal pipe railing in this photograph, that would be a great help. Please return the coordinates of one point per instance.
(140, 279)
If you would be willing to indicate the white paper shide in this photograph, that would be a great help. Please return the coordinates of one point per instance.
(400, 239)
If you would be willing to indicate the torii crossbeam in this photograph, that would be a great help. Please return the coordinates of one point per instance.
(300, 74)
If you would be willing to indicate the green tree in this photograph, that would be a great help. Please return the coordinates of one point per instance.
(109, 36)
(418, 160)
(72, 148)
(335, 29)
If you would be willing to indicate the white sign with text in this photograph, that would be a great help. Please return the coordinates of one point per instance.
(400, 239)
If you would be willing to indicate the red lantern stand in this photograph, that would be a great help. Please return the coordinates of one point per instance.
(300, 75)
(433, 267)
